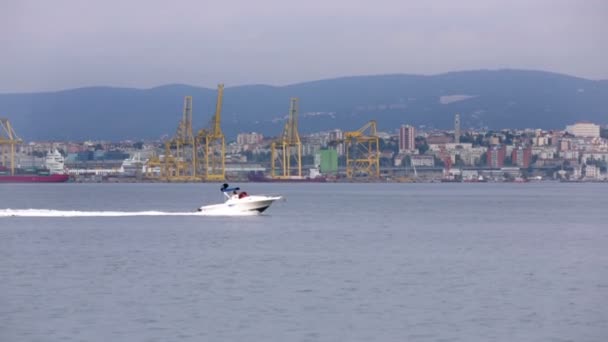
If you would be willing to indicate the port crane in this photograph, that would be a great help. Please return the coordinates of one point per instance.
(8, 141)
(153, 164)
(363, 151)
(286, 151)
(180, 151)
(189, 157)
(211, 145)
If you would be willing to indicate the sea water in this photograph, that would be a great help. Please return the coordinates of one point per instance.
(331, 262)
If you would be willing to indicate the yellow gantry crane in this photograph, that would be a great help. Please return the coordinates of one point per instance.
(211, 145)
(152, 164)
(363, 152)
(8, 141)
(193, 158)
(286, 152)
(180, 152)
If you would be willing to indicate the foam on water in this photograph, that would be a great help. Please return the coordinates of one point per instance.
(77, 213)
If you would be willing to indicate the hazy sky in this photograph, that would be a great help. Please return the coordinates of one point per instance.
(59, 44)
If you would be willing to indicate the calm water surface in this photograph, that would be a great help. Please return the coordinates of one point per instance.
(334, 262)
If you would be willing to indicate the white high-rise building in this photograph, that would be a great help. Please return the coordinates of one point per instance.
(337, 135)
(584, 129)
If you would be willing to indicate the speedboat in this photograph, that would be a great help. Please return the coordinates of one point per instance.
(239, 203)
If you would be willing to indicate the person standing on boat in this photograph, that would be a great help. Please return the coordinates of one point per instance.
(225, 188)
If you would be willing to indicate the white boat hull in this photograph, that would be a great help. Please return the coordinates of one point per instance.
(245, 205)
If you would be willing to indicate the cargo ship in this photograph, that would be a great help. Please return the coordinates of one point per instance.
(52, 172)
(314, 177)
(38, 177)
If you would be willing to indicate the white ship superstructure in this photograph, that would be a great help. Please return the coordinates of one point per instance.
(55, 163)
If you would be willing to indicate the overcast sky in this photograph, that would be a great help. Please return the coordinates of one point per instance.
(60, 44)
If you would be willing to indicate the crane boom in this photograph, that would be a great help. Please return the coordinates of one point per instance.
(286, 152)
(187, 135)
(211, 142)
(217, 118)
(292, 136)
(363, 151)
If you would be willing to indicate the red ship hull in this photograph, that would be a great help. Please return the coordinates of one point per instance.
(34, 179)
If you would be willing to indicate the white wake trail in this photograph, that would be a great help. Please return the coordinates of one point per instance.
(76, 213)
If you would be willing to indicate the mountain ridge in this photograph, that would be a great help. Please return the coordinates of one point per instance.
(485, 98)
